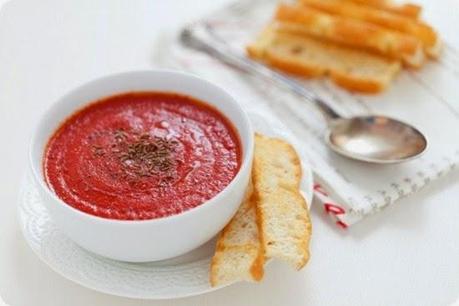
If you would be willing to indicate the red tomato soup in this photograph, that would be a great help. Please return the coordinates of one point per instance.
(142, 155)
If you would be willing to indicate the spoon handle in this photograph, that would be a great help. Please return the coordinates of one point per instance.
(225, 54)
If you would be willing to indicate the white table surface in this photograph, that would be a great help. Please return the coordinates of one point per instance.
(406, 255)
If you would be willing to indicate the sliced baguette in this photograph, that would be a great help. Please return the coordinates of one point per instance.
(283, 217)
(354, 33)
(239, 255)
(422, 31)
(407, 9)
(257, 49)
(309, 57)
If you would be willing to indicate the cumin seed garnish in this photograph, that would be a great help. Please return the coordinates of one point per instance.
(145, 156)
(98, 150)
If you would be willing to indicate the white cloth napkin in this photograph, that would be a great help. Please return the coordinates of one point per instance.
(349, 190)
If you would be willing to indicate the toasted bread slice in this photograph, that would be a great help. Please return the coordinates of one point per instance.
(284, 223)
(354, 33)
(422, 31)
(309, 57)
(264, 48)
(407, 9)
(257, 49)
(239, 254)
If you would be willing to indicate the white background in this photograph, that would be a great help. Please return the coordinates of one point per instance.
(406, 255)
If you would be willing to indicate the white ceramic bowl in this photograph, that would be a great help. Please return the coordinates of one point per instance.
(144, 240)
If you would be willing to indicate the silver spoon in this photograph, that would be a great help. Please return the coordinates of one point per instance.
(372, 138)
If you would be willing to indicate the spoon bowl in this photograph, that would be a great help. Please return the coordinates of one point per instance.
(375, 139)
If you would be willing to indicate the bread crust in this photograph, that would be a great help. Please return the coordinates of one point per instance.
(239, 255)
(283, 217)
(308, 21)
(409, 10)
(425, 33)
(353, 84)
(323, 58)
(272, 221)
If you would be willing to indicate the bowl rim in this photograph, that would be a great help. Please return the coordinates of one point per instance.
(247, 154)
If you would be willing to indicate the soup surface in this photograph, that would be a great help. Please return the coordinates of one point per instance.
(142, 155)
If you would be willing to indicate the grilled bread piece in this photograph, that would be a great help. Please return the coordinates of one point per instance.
(355, 33)
(425, 33)
(239, 255)
(257, 49)
(408, 9)
(283, 217)
(309, 57)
